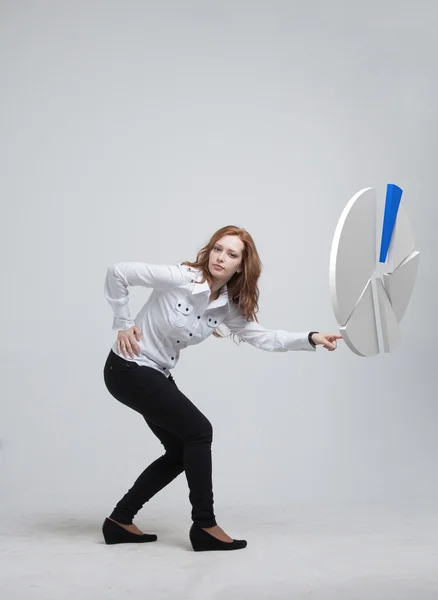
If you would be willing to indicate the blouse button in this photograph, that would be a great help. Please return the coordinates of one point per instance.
(173, 358)
(190, 334)
(177, 342)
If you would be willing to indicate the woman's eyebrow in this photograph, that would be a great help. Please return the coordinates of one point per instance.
(230, 249)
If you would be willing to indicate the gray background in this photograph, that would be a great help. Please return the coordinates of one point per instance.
(134, 130)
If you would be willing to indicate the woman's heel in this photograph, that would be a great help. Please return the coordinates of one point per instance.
(114, 534)
(202, 541)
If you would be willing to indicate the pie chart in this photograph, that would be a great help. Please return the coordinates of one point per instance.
(372, 272)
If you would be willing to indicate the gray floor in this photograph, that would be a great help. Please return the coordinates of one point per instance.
(386, 555)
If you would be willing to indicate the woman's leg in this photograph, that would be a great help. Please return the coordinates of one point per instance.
(153, 479)
(162, 404)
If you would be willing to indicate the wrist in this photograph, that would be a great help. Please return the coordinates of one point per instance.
(311, 342)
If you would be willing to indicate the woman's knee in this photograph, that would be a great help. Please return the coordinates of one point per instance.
(204, 431)
(175, 454)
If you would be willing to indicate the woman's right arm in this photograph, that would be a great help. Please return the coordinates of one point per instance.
(123, 274)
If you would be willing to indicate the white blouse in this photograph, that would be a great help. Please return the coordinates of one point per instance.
(178, 314)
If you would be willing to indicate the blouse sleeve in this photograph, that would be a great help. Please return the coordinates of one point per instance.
(271, 340)
(123, 274)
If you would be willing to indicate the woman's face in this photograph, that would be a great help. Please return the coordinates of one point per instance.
(226, 258)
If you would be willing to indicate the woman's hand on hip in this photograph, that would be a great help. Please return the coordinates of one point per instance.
(127, 342)
(328, 340)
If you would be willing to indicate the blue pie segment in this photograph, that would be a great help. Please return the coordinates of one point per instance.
(393, 197)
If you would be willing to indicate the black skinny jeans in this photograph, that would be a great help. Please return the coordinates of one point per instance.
(184, 431)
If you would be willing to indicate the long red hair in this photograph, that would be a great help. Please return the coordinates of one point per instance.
(242, 287)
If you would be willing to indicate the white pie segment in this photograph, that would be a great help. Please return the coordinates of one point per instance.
(360, 332)
(402, 241)
(391, 334)
(353, 254)
(399, 285)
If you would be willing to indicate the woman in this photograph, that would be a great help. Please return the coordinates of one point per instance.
(188, 303)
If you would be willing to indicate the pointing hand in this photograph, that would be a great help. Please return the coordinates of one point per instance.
(328, 340)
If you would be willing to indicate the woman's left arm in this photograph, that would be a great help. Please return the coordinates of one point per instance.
(276, 340)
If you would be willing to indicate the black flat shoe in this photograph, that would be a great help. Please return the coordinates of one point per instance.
(114, 534)
(202, 541)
